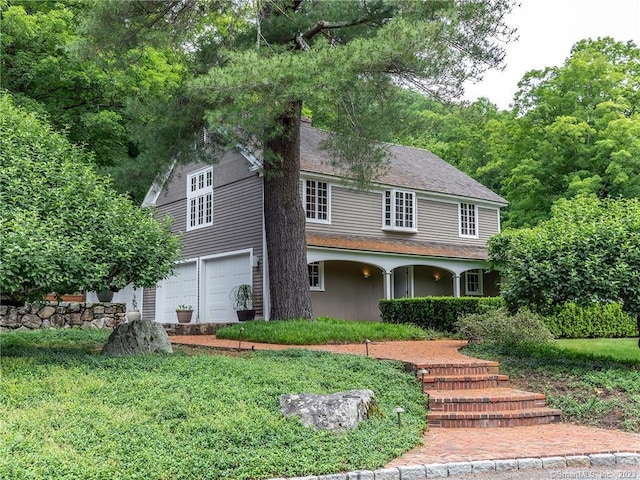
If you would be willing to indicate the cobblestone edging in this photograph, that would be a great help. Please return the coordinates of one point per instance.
(62, 315)
(443, 470)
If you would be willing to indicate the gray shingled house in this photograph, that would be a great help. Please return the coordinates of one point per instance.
(421, 229)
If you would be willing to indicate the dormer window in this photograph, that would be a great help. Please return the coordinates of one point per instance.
(399, 210)
(200, 199)
(468, 220)
(316, 197)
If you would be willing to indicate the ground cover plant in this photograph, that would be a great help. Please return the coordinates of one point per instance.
(592, 386)
(71, 413)
(323, 331)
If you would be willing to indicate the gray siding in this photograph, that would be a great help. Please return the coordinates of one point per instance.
(348, 295)
(237, 215)
(359, 213)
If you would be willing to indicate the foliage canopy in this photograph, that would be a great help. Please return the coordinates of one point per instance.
(64, 228)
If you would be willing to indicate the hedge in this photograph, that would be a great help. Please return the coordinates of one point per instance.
(596, 321)
(437, 313)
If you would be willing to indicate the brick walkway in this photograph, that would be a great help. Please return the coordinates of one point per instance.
(443, 445)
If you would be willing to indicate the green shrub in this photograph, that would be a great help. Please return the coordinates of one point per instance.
(499, 327)
(597, 321)
(437, 313)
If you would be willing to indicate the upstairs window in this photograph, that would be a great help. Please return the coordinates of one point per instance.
(468, 220)
(316, 276)
(400, 210)
(200, 199)
(316, 201)
(473, 282)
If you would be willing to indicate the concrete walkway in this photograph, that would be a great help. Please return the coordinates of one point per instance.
(450, 445)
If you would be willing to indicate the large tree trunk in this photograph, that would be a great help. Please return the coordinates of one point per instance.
(285, 222)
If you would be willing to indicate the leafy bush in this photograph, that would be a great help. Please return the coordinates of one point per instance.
(597, 321)
(436, 313)
(499, 327)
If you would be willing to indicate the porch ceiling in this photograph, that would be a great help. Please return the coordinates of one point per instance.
(397, 245)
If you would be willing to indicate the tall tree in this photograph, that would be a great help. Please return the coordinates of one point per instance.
(266, 58)
(574, 130)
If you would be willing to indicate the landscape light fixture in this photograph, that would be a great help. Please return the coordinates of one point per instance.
(399, 411)
(366, 345)
(422, 372)
(240, 342)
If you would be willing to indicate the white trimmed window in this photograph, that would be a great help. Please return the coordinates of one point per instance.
(316, 201)
(468, 220)
(200, 199)
(400, 210)
(473, 282)
(316, 276)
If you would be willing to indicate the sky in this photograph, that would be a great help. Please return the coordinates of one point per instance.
(547, 30)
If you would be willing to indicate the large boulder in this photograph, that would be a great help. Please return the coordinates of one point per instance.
(139, 336)
(338, 411)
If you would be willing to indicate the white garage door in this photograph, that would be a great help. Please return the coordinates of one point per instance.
(221, 275)
(181, 289)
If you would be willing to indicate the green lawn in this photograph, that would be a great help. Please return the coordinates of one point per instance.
(620, 349)
(70, 413)
(322, 331)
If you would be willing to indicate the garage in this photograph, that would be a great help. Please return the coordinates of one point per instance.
(220, 276)
(181, 289)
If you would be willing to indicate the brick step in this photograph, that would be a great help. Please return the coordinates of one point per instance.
(466, 382)
(514, 418)
(451, 369)
(483, 400)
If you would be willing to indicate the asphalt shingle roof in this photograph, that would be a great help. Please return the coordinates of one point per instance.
(411, 168)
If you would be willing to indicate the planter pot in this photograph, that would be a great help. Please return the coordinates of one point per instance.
(134, 315)
(105, 296)
(245, 315)
(184, 316)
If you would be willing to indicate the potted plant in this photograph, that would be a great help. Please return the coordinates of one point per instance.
(184, 313)
(242, 296)
(134, 313)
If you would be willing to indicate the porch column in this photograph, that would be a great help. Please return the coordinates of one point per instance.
(386, 278)
(456, 285)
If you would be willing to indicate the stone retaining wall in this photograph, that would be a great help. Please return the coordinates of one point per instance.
(62, 315)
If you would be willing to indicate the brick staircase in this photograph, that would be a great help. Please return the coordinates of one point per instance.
(475, 394)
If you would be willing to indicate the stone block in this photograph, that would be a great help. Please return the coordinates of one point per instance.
(483, 466)
(98, 309)
(506, 465)
(603, 460)
(627, 458)
(74, 307)
(45, 324)
(46, 312)
(333, 476)
(99, 322)
(554, 462)
(361, 475)
(87, 315)
(387, 474)
(74, 319)
(3, 310)
(312, 477)
(578, 461)
(415, 472)
(437, 470)
(31, 321)
(529, 463)
(459, 468)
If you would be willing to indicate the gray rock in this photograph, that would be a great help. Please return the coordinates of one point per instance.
(10, 319)
(483, 466)
(554, 462)
(506, 465)
(45, 324)
(46, 312)
(31, 321)
(338, 411)
(577, 461)
(74, 319)
(361, 475)
(141, 336)
(333, 476)
(57, 320)
(529, 463)
(459, 468)
(627, 458)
